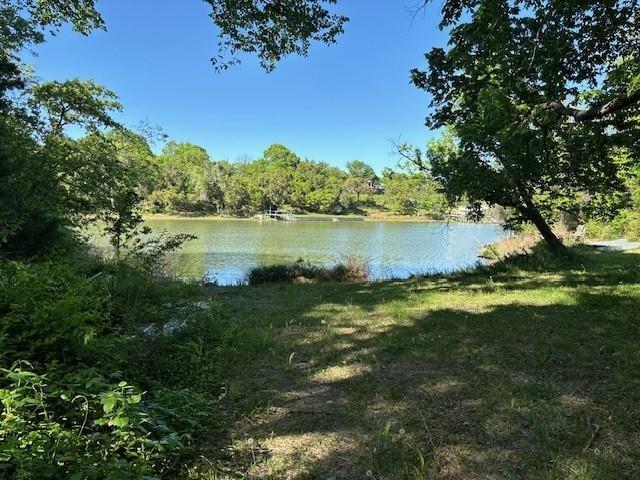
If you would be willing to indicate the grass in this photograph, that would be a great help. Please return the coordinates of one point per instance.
(350, 269)
(525, 369)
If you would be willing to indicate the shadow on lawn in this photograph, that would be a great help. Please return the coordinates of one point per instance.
(512, 391)
(586, 266)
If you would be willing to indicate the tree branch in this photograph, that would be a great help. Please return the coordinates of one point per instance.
(598, 110)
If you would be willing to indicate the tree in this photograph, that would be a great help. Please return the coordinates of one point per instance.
(75, 102)
(281, 156)
(28, 21)
(361, 170)
(387, 174)
(24, 23)
(276, 185)
(317, 187)
(184, 178)
(413, 193)
(31, 199)
(10, 79)
(51, 180)
(274, 174)
(241, 197)
(133, 151)
(537, 93)
(272, 28)
(361, 179)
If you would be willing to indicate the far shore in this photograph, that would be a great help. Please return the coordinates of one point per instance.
(366, 218)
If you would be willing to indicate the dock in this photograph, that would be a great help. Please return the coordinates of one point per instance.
(620, 244)
(290, 216)
(280, 215)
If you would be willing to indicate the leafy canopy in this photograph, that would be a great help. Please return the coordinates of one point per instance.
(26, 22)
(75, 102)
(537, 92)
(272, 29)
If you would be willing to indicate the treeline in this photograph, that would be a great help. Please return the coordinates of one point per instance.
(184, 179)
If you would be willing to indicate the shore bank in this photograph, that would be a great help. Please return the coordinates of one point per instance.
(303, 216)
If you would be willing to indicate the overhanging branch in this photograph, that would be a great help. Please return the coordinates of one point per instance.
(598, 110)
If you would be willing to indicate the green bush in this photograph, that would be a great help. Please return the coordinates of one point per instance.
(77, 353)
(351, 269)
(49, 312)
(81, 427)
(625, 225)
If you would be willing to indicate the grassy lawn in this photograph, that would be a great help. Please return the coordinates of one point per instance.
(513, 372)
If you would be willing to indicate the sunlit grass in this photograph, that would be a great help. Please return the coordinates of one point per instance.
(523, 370)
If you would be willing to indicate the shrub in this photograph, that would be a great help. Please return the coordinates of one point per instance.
(49, 312)
(60, 312)
(58, 316)
(351, 269)
(282, 272)
(81, 427)
(625, 225)
(354, 268)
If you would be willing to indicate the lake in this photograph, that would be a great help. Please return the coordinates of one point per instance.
(226, 249)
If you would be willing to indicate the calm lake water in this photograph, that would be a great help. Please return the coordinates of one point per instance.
(226, 249)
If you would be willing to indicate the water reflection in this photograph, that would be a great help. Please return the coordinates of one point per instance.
(227, 249)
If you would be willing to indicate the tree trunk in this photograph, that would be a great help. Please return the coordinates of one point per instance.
(531, 213)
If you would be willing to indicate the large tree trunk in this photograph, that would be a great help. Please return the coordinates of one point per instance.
(531, 213)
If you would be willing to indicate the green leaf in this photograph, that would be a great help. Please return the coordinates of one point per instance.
(108, 403)
(120, 422)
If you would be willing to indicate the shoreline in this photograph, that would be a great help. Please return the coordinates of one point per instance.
(365, 218)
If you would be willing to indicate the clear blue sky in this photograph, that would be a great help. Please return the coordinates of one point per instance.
(341, 103)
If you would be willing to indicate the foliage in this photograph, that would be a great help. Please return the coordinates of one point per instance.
(317, 187)
(26, 22)
(31, 201)
(535, 113)
(94, 422)
(414, 194)
(361, 181)
(75, 102)
(351, 269)
(625, 225)
(272, 29)
(185, 180)
(604, 216)
(52, 431)
(361, 170)
(51, 181)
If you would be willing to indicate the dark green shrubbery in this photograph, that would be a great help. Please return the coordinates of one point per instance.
(91, 386)
(80, 426)
(351, 269)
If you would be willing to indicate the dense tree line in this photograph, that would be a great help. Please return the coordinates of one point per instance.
(184, 179)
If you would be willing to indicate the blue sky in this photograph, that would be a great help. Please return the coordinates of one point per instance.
(341, 103)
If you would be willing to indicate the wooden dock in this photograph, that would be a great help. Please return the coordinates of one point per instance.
(280, 215)
(289, 216)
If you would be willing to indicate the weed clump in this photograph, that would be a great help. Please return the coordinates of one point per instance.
(350, 269)
(85, 390)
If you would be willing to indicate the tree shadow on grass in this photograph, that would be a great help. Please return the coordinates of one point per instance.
(392, 388)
